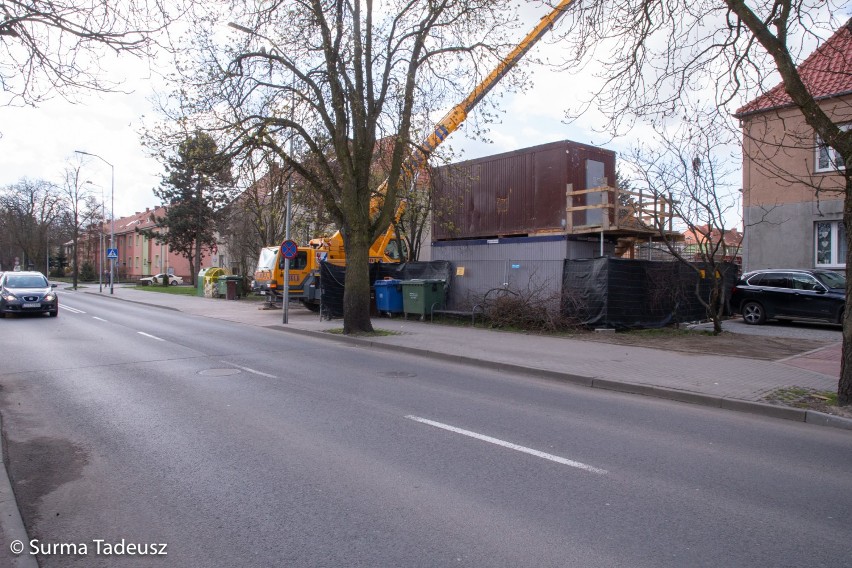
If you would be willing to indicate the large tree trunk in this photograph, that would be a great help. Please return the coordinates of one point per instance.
(844, 386)
(356, 294)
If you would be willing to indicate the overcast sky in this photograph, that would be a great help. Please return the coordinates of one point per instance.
(39, 143)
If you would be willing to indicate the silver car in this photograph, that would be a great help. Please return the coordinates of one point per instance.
(27, 293)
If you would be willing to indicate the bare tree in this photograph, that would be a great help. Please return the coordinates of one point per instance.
(686, 169)
(30, 209)
(337, 77)
(50, 47)
(80, 210)
(257, 217)
(662, 54)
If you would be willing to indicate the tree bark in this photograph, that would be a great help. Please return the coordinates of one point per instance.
(844, 385)
(356, 294)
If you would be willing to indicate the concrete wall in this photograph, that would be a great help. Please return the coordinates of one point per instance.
(784, 237)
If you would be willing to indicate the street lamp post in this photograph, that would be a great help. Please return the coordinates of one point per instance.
(286, 299)
(111, 215)
(100, 245)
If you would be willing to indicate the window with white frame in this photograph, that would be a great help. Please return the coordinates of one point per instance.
(830, 237)
(827, 158)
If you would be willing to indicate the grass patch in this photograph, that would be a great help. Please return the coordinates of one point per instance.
(176, 290)
(668, 332)
(801, 397)
(374, 333)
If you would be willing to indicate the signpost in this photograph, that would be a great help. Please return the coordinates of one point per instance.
(289, 250)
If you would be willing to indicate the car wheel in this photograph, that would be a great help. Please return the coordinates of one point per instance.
(173, 283)
(753, 313)
(54, 313)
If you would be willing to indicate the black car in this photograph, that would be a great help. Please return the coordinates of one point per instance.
(790, 294)
(27, 293)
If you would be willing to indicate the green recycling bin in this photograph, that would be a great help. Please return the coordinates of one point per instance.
(421, 297)
(200, 281)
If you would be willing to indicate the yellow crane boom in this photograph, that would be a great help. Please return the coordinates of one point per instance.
(457, 115)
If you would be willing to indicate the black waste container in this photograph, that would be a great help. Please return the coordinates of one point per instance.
(232, 283)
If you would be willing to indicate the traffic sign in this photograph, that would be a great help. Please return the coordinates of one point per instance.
(289, 249)
(112, 253)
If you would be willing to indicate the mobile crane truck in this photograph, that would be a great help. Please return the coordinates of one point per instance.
(304, 268)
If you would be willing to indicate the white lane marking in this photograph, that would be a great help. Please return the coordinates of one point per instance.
(72, 310)
(247, 369)
(151, 336)
(99, 319)
(510, 445)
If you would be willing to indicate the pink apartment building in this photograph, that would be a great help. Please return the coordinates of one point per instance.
(138, 255)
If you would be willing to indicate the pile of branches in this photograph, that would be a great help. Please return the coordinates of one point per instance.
(528, 310)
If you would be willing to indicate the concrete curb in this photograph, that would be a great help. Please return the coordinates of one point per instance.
(135, 302)
(757, 408)
(11, 524)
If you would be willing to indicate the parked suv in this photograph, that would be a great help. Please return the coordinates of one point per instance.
(789, 294)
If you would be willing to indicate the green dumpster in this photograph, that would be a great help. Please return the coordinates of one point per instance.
(421, 297)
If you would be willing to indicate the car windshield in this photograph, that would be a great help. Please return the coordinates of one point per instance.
(831, 279)
(267, 258)
(26, 281)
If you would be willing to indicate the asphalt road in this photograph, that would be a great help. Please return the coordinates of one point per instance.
(237, 445)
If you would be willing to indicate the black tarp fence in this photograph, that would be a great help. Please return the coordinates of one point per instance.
(332, 278)
(633, 294)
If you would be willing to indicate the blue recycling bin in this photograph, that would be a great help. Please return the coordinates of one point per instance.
(389, 296)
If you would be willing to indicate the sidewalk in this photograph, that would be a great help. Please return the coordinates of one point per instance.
(734, 383)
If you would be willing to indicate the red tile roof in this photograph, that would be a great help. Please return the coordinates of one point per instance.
(827, 72)
(700, 235)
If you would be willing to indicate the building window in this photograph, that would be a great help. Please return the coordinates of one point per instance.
(830, 239)
(827, 159)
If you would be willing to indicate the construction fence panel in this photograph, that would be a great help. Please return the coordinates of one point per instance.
(633, 294)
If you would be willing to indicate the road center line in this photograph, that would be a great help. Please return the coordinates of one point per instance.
(72, 310)
(248, 370)
(510, 445)
(151, 336)
(99, 319)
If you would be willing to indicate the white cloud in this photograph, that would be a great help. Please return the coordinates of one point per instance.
(38, 143)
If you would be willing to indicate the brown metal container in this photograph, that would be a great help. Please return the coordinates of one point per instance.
(520, 193)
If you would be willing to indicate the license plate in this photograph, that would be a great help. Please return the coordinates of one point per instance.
(36, 305)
